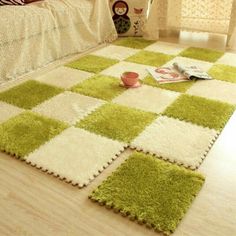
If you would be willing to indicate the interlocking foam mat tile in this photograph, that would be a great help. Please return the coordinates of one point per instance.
(223, 72)
(228, 59)
(204, 54)
(64, 77)
(117, 122)
(75, 107)
(176, 141)
(92, 63)
(29, 94)
(8, 111)
(200, 111)
(150, 191)
(100, 86)
(115, 52)
(143, 98)
(166, 48)
(76, 155)
(214, 89)
(24, 133)
(150, 58)
(130, 42)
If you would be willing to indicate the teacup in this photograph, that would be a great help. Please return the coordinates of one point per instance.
(130, 78)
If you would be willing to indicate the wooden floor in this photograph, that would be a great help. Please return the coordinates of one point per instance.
(34, 203)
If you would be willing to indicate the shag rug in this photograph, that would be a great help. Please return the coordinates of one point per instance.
(75, 120)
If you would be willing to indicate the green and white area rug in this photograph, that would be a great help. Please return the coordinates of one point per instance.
(75, 120)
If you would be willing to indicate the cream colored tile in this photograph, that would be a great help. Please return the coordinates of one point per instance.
(115, 52)
(124, 66)
(147, 98)
(76, 155)
(176, 141)
(64, 77)
(228, 59)
(167, 48)
(7, 111)
(68, 107)
(214, 89)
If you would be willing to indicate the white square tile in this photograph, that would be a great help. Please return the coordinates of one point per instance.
(68, 107)
(176, 141)
(123, 66)
(115, 52)
(228, 59)
(64, 77)
(214, 89)
(76, 155)
(167, 48)
(205, 66)
(147, 98)
(7, 111)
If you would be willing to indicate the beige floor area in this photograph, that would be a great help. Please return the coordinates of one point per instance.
(34, 203)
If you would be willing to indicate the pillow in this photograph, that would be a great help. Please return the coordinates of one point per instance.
(16, 2)
(129, 16)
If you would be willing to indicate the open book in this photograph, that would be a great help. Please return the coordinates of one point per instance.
(167, 75)
(177, 73)
(192, 72)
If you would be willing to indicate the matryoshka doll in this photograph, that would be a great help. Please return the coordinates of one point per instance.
(120, 18)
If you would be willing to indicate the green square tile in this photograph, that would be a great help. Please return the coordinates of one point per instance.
(137, 43)
(223, 72)
(29, 94)
(92, 63)
(178, 87)
(117, 122)
(200, 111)
(203, 54)
(24, 133)
(150, 58)
(100, 86)
(150, 191)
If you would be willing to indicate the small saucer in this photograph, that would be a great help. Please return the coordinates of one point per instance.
(138, 84)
